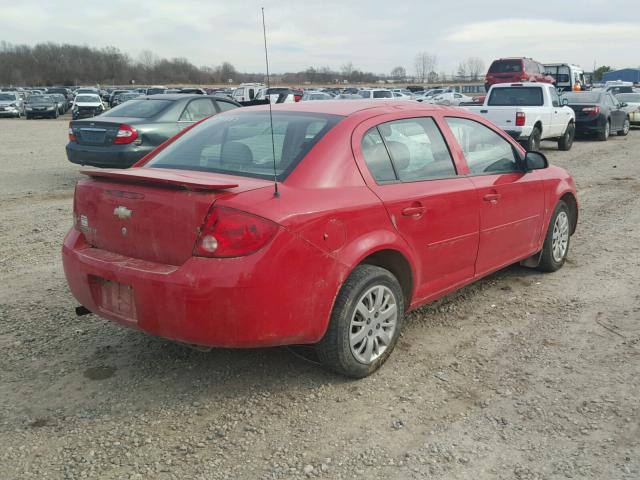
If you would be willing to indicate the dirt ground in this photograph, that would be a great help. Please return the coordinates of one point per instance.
(523, 375)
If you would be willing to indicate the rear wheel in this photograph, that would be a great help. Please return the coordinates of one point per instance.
(603, 135)
(533, 145)
(625, 128)
(365, 323)
(556, 243)
(565, 142)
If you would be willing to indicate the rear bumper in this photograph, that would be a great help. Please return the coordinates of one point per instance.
(114, 156)
(590, 125)
(264, 299)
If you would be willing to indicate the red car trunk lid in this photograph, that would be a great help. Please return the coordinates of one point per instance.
(150, 214)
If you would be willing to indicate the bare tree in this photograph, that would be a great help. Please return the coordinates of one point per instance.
(425, 65)
(475, 67)
(462, 70)
(398, 73)
(347, 70)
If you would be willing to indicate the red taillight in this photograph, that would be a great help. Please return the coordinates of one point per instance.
(126, 134)
(231, 233)
(72, 136)
(520, 119)
(591, 110)
(297, 98)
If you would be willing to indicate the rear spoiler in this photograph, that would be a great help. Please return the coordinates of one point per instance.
(163, 177)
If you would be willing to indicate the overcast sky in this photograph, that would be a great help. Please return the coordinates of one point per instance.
(375, 35)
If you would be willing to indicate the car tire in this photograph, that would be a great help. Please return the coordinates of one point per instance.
(603, 135)
(557, 241)
(565, 142)
(533, 144)
(358, 326)
(625, 128)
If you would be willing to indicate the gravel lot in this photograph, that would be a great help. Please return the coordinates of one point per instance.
(523, 375)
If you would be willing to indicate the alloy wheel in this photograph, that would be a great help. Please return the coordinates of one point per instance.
(373, 324)
(560, 237)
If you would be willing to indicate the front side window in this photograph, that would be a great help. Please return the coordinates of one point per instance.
(555, 100)
(485, 151)
(415, 147)
(240, 143)
(382, 94)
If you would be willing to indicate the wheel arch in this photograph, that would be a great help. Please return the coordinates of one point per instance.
(570, 200)
(396, 262)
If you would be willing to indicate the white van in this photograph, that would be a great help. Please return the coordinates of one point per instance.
(247, 91)
(566, 75)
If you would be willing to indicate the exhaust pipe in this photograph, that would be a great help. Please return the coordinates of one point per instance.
(82, 310)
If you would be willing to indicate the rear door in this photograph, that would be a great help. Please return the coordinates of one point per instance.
(511, 201)
(407, 164)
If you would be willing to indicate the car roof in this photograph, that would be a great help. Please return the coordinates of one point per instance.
(342, 108)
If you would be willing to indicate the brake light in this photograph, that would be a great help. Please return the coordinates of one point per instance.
(231, 233)
(72, 136)
(591, 110)
(297, 98)
(126, 134)
(520, 119)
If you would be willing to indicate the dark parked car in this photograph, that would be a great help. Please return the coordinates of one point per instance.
(125, 97)
(114, 94)
(512, 70)
(63, 104)
(598, 113)
(41, 106)
(126, 133)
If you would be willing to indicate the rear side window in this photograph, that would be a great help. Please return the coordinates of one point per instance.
(486, 152)
(516, 96)
(138, 108)
(224, 106)
(382, 94)
(197, 110)
(415, 146)
(241, 143)
(506, 66)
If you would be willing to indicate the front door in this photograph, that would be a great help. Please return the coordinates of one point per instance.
(511, 201)
(407, 164)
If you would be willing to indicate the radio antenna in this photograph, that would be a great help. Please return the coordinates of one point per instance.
(268, 95)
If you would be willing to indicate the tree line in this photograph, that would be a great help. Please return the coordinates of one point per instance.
(46, 64)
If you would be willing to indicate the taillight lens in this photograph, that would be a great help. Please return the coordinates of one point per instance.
(297, 98)
(231, 233)
(520, 119)
(126, 134)
(72, 136)
(591, 110)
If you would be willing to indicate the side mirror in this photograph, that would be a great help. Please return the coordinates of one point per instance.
(535, 161)
(565, 102)
(623, 104)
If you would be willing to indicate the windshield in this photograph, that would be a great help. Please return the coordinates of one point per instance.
(87, 99)
(241, 143)
(582, 97)
(506, 66)
(41, 99)
(139, 108)
(7, 96)
(629, 97)
(516, 96)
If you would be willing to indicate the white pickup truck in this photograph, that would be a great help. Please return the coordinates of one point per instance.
(529, 112)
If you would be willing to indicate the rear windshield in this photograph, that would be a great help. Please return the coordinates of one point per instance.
(155, 91)
(506, 66)
(139, 108)
(382, 94)
(629, 97)
(241, 143)
(516, 96)
(582, 97)
(7, 96)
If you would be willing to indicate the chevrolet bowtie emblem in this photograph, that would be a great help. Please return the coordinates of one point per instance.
(122, 212)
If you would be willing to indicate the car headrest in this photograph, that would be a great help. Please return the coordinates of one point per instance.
(400, 154)
(236, 153)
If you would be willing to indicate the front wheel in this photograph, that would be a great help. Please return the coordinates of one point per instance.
(625, 128)
(365, 323)
(556, 243)
(566, 141)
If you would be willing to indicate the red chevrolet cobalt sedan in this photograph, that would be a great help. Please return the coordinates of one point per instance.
(379, 209)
